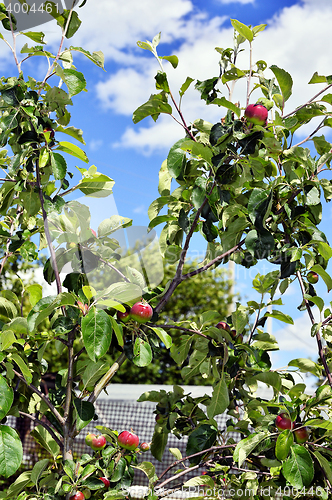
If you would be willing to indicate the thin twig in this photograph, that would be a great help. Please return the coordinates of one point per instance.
(182, 329)
(43, 397)
(43, 424)
(318, 337)
(308, 102)
(47, 231)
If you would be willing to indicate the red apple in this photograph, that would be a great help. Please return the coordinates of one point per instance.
(128, 440)
(301, 433)
(256, 114)
(283, 422)
(124, 316)
(144, 447)
(222, 325)
(141, 312)
(105, 481)
(98, 442)
(312, 277)
(78, 496)
(89, 438)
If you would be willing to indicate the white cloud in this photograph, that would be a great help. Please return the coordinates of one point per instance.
(95, 144)
(141, 209)
(290, 41)
(297, 337)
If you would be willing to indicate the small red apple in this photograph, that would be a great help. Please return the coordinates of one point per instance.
(124, 316)
(256, 114)
(222, 325)
(89, 438)
(128, 440)
(105, 481)
(94, 232)
(78, 496)
(98, 442)
(144, 446)
(141, 312)
(283, 422)
(301, 434)
(312, 277)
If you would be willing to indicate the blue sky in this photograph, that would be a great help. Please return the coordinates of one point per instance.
(297, 38)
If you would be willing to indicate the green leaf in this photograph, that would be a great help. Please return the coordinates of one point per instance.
(298, 468)
(283, 445)
(96, 57)
(97, 333)
(324, 249)
(36, 36)
(115, 222)
(84, 413)
(148, 469)
(323, 274)
(202, 438)
(280, 316)
(199, 481)
(222, 101)
(259, 207)
(220, 399)
(285, 81)
(142, 353)
(325, 464)
(19, 485)
(159, 442)
(172, 59)
(270, 378)
(93, 372)
(22, 366)
(180, 348)
(261, 244)
(74, 80)
(247, 445)
(59, 166)
(99, 186)
(8, 310)
(74, 132)
(72, 149)
(38, 469)
(42, 436)
(164, 337)
(185, 85)
(240, 318)
(176, 160)
(6, 397)
(153, 107)
(243, 30)
(306, 365)
(11, 451)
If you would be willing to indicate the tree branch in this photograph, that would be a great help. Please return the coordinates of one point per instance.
(308, 102)
(43, 424)
(318, 337)
(43, 397)
(104, 381)
(47, 231)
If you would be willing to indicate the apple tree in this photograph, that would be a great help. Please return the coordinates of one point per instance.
(253, 194)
